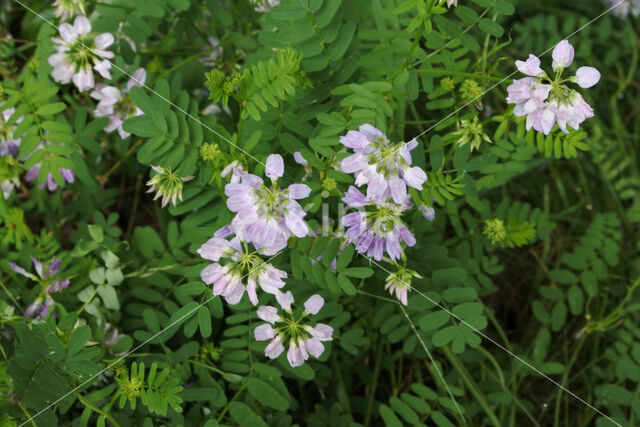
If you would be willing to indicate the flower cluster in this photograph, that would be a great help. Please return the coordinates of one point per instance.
(211, 59)
(400, 283)
(41, 307)
(265, 5)
(8, 144)
(383, 166)
(10, 166)
(167, 184)
(293, 330)
(116, 104)
(65, 174)
(228, 280)
(546, 102)
(77, 56)
(68, 8)
(378, 227)
(622, 9)
(267, 216)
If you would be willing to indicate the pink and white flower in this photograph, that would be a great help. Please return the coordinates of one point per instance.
(265, 5)
(46, 273)
(228, 279)
(77, 56)
(399, 283)
(116, 104)
(68, 8)
(546, 102)
(623, 9)
(378, 228)
(384, 167)
(33, 172)
(267, 216)
(293, 330)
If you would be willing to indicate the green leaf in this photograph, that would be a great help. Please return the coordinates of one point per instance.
(51, 109)
(433, 320)
(359, 272)
(109, 297)
(244, 416)
(204, 321)
(444, 336)
(491, 27)
(389, 418)
(78, 338)
(95, 231)
(346, 285)
(562, 276)
(504, 7)
(452, 29)
(345, 258)
(264, 393)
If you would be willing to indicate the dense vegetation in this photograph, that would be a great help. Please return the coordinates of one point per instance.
(319, 212)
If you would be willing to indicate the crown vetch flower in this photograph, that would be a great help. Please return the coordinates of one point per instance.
(10, 170)
(293, 329)
(562, 55)
(587, 77)
(547, 102)
(530, 67)
(51, 184)
(241, 263)
(383, 166)
(116, 104)
(10, 167)
(400, 283)
(167, 184)
(428, 212)
(264, 5)
(46, 273)
(211, 59)
(622, 9)
(266, 216)
(378, 228)
(77, 56)
(68, 8)
(8, 144)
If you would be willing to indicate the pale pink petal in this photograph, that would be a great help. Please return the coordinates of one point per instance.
(314, 304)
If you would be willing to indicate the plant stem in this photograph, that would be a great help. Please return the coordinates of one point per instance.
(235, 396)
(433, 363)
(343, 396)
(89, 404)
(103, 179)
(87, 302)
(471, 385)
(374, 382)
(442, 72)
(186, 61)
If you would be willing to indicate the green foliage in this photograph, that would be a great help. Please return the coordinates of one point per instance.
(418, 404)
(565, 145)
(37, 108)
(533, 246)
(173, 136)
(157, 391)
